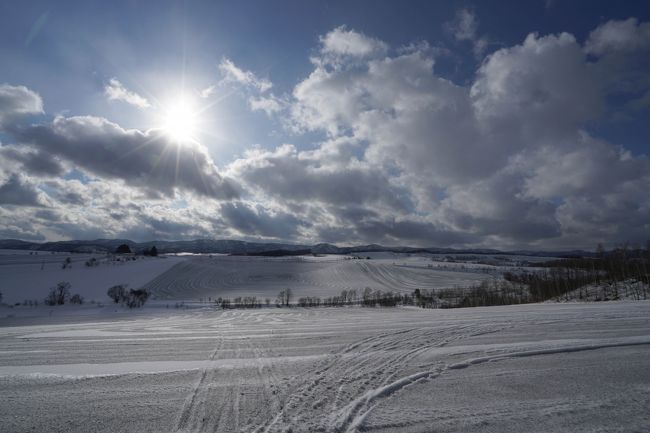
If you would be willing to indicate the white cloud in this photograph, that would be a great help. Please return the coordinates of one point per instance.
(624, 35)
(464, 27)
(270, 105)
(543, 87)
(233, 74)
(115, 91)
(17, 101)
(506, 160)
(344, 42)
(208, 91)
(459, 150)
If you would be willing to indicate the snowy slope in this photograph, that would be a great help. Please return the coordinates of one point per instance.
(202, 277)
(29, 277)
(533, 368)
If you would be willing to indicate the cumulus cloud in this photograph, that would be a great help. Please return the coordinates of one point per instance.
(508, 159)
(233, 74)
(543, 87)
(505, 160)
(115, 91)
(306, 177)
(149, 160)
(17, 101)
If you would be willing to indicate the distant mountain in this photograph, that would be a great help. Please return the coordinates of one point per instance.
(227, 246)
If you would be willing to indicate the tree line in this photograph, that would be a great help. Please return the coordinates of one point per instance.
(615, 271)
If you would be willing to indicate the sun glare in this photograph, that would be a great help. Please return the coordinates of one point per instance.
(180, 120)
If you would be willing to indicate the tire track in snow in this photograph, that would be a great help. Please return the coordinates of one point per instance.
(339, 394)
(188, 420)
(351, 417)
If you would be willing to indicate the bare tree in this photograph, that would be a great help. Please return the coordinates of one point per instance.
(289, 295)
(62, 292)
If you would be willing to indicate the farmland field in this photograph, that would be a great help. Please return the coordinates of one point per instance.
(200, 277)
(192, 277)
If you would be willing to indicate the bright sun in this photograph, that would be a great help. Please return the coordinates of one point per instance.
(180, 121)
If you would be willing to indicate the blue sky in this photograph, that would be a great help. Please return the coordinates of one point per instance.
(258, 73)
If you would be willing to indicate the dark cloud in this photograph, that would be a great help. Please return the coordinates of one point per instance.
(306, 177)
(15, 191)
(148, 160)
(38, 163)
(257, 221)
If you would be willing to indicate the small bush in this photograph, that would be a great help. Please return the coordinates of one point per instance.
(136, 298)
(117, 293)
(123, 249)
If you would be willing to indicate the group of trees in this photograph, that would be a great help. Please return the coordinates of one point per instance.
(284, 298)
(132, 298)
(246, 302)
(123, 249)
(486, 293)
(608, 269)
(60, 294)
(153, 252)
(126, 249)
(241, 302)
(367, 298)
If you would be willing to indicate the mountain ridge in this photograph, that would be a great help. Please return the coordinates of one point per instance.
(230, 246)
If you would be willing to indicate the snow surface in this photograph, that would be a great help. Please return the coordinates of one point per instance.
(29, 277)
(264, 277)
(580, 367)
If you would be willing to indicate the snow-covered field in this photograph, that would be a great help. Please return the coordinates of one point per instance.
(192, 277)
(231, 276)
(25, 276)
(528, 368)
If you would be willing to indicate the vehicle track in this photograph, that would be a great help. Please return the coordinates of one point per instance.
(352, 380)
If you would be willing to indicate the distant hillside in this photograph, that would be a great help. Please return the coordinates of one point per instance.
(226, 246)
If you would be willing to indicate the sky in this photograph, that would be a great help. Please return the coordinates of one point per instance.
(449, 124)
